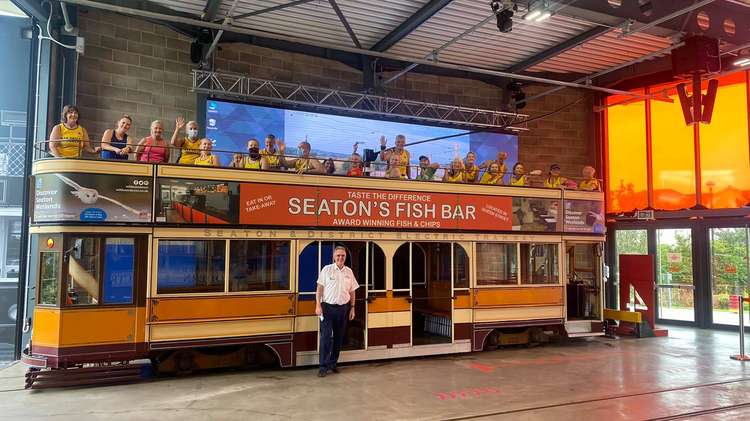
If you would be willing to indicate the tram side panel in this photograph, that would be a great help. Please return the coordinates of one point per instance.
(90, 294)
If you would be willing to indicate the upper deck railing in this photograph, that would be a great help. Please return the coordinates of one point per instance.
(337, 166)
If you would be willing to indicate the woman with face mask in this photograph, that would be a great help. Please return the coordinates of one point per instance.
(189, 145)
(254, 160)
(115, 142)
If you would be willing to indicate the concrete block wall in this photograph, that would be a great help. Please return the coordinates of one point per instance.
(143, 69)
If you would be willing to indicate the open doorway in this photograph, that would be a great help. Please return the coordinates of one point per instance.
(431, 282)
(583, 289)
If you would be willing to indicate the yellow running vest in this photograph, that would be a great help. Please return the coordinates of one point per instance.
(71, 143)
(190, 151)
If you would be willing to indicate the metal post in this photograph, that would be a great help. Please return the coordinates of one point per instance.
(741, 356)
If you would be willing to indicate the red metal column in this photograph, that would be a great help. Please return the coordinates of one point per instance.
(649, 156)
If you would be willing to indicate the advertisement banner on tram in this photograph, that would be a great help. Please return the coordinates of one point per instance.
(86, 198)
(364, 208)
(584, 216)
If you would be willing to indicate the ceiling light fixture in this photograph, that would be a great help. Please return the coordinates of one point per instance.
(537, 11)
(504, 11)
(742, 62)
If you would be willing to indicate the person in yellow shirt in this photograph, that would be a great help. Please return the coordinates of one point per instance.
(189, 145)
(271, 154)
(69, 139)
(554, 179)
(403, 155)
(304, 163)
(492, 175)
(255, 159)
(470, 168)
(206, 159)
(501, 157)
(456, 173)
(589, 183)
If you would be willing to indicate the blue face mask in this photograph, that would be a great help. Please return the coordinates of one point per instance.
(192, 133)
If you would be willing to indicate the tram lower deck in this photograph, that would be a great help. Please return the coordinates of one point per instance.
(192, 295)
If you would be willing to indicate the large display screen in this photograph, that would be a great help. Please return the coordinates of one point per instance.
(230, 125)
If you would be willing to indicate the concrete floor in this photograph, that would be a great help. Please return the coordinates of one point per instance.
(686, 376)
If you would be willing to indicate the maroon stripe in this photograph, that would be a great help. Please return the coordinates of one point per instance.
(305, 341)
(462, 330)
(220, 341)
(388, 335)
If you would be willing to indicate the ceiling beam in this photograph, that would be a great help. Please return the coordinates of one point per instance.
(559, 49)
(717, 13)
(345, 22)
(410, 24)
(211, 9)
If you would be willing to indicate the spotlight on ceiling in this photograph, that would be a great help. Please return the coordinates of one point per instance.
(742, 62)
(538, 11)
(517, 94)
(503, 11)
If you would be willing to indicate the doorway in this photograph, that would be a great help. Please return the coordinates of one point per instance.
(675, 286)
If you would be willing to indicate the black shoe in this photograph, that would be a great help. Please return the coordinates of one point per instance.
(321, 373)
(335, 370)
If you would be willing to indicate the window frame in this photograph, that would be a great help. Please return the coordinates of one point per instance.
(557, 248)
(63, 281)
(60, 263)
(518, 265)
(227, 267)
(293, 251)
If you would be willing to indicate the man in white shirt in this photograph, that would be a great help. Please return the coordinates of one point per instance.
(334, 301)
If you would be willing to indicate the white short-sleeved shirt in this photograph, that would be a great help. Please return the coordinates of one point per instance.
(337, 284)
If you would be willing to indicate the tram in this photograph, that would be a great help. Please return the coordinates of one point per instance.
(194, 267)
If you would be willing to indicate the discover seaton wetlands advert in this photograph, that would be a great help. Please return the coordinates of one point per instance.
(83, 198)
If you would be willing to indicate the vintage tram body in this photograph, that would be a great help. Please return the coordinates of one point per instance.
(193, 267)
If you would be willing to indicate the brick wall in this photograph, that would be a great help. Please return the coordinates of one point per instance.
(136, 67)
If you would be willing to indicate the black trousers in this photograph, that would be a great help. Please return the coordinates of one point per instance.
(332, 333)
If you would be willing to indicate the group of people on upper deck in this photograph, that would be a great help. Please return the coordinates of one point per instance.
(69, 139)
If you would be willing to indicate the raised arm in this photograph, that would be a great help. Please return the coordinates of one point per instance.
(139, 148)
(176, 138)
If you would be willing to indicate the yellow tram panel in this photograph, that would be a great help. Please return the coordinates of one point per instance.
(518, 313)
(518, 296)
(47, 327)
(172, 309)
(220, 329)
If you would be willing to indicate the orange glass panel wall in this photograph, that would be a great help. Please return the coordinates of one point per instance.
(626, 160)
(673, 159)
(724, 164)
(725, 159)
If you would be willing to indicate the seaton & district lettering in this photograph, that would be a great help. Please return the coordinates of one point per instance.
(383, 209)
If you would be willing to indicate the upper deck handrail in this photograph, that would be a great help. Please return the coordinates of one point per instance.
(371, 169)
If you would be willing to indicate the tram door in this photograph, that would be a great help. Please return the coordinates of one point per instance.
(431, 280)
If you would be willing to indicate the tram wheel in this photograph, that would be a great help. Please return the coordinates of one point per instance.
(184, 362)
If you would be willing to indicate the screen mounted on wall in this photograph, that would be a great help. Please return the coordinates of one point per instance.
(230, 125)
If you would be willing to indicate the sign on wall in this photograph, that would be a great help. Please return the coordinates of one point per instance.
(87, 198)
(584, 216)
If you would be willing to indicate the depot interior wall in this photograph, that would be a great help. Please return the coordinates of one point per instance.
(143, 69)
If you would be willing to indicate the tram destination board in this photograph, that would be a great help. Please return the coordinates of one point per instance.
(93, 198)
(182, 201)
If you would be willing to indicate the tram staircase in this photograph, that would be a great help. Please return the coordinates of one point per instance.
(87, 376)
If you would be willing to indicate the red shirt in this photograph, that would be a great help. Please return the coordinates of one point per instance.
(355, 172)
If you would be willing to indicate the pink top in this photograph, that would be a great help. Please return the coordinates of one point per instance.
(154, 154)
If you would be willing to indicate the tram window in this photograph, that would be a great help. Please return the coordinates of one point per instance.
(83, 255)
(377, 268)
(539, 263)
(48, 278)
(401, 267)
(418, 265)
(307, 272)
(119, 261)
(188, 266)
(261, 265)
(460, 267)
(497, 264)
